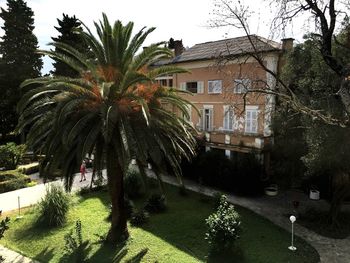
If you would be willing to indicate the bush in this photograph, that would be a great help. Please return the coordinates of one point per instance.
(54, 206)
(11, 154)
(12, 180)
(223, 228)
(156, 203)
(139, 218)
(75, 246)
(133, 184)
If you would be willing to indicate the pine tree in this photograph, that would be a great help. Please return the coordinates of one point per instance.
(68, 36)
(19, 59)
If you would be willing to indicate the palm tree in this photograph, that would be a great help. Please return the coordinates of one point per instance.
(114, 108)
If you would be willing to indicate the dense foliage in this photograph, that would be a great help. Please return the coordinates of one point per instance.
(327, 155)
(53, 208)
(241, 174)
(19, 59)
(11, 154)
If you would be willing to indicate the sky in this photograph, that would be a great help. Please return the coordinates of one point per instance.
(188, 20)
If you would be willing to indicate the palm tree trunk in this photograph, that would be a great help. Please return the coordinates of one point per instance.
(118, 231)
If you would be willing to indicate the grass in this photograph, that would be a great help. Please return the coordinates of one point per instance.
(174, 236)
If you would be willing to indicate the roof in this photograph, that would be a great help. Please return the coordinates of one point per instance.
(225, 47)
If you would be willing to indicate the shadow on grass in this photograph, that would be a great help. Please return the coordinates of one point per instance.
(46, 254)
(79, 255)
(229, 257)
(318, 221)
(109, 253)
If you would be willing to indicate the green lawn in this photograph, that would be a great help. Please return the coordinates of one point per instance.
(174, 236)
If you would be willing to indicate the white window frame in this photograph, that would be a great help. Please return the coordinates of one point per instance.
(251, 122)
(215, 86)
(228, 118)
(241, 85)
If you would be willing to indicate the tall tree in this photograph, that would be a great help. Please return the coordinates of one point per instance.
(19, 59)
(114, 106)
(67, 35)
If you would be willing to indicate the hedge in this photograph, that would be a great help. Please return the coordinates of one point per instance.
(12, 180)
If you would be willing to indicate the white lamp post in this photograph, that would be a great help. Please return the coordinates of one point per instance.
(19, 208)
(292, 247)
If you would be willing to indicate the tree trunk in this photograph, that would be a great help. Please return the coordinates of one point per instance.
(341, 189)
(118, 231)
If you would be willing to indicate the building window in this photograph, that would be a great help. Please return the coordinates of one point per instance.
(241, 85)
(206, 120)
(193, 86)
(214, 86)
(251, 120)
(228, 118)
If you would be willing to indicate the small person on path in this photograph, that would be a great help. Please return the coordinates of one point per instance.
(82, 171)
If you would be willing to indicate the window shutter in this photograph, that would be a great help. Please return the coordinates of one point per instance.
(226, 117)
(200, 87)
(183, 86)
(201, 123)
(211, 119)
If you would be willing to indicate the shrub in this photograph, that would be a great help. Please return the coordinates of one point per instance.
(139, 218)
(11, 154)
(54, 206)
(12, 180)
(223, 228)
(3, 227)
(156, 203)
(133, 184)
(74, 244)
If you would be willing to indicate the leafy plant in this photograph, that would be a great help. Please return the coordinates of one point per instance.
(54, 206)
(139, 218)
(223, 228)
(3, 227)
(75, 246)
(11, 154)
(156, 203)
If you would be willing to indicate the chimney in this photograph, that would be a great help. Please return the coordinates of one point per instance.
(287, 44)
(177, 46)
